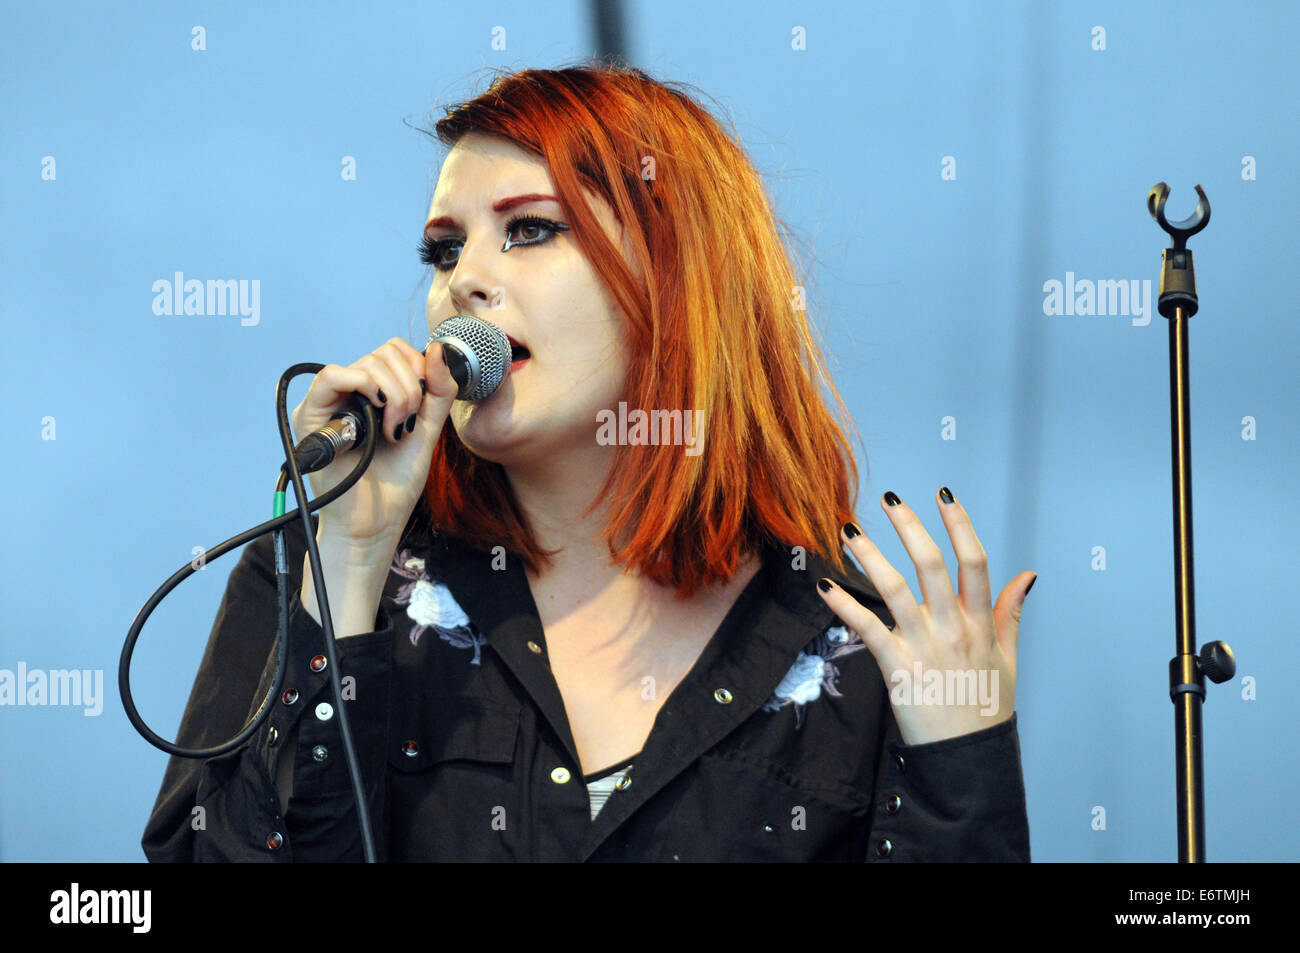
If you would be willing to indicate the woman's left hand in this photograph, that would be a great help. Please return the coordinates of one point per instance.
(950, 635)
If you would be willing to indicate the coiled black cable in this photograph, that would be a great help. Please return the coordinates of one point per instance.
(276, 525)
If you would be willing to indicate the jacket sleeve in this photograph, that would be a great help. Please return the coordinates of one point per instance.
(959, 799)
(228, 808)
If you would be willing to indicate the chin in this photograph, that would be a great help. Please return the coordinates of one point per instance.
(487, 430)
(500, 433)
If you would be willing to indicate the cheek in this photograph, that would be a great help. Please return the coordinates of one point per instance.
(459, 414)
(597, 361)
(595, 332)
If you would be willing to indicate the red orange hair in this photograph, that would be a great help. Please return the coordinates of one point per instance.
(715, 326)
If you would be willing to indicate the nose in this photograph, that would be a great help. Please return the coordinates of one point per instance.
(472, 286)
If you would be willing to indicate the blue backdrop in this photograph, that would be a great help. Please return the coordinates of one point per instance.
(941, 164)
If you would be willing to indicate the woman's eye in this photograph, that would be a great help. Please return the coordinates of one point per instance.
(439, 253)
(531, 231)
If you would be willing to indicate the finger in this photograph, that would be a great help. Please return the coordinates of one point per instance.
(391, 427)
(407, 402)
(931, 569)
(333, 384)
(888, 581)
(972, 561)
(415, 361)
(884, 643)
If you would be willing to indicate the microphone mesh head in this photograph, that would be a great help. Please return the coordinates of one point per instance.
(486, 350)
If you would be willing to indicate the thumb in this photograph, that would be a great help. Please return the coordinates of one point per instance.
(440, 393)
(442, 386)
(1006, 612)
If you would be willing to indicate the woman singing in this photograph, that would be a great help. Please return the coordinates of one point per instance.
(606, 614)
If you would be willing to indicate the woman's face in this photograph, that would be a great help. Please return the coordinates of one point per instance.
(540, 290)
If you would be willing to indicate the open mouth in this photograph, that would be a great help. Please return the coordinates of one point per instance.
(518, 353)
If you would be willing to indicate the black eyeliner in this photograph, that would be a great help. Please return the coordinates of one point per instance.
(551, 226)
(431, 251)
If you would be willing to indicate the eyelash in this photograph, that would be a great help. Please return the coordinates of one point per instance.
(432, 252)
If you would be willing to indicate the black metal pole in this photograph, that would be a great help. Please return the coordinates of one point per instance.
(1184, 670)
(1187, 671)
(608, 24)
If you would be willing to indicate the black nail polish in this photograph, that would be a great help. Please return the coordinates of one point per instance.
(1031, 585)
(410, 423)
(824, 584)
(892, 498)
(424, 388)
(945, 494)
(397, 432)
(851, 530)
(382, 398)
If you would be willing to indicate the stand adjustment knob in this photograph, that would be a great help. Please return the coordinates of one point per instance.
(1217, 661)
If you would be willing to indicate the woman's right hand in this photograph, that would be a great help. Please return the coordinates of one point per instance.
(372, 514)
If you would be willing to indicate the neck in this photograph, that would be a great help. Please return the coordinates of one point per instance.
(553, 496)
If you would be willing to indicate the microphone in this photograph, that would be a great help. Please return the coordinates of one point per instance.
(477, 354)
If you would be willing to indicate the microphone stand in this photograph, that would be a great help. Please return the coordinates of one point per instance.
(1187, 670)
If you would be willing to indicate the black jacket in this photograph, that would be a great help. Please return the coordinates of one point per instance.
(779, 744)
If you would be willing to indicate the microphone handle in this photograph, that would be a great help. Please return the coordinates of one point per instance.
(347, 427)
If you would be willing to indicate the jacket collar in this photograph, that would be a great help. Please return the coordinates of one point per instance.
(774, 618)
(494, 590)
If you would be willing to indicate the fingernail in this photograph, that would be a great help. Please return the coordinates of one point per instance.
(1031, 584)
(851, 530)
(424, 388)
(410, 423)
(892, 498)
(824, 584)
(397, 432)
(945, 494)
(382, 398)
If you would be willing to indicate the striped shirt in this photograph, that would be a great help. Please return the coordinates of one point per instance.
(603, 783)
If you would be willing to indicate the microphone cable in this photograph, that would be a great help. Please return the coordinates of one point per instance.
(276, 524)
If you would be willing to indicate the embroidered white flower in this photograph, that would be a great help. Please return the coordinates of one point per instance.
(432, 604)
(814, 671)
(803, 683)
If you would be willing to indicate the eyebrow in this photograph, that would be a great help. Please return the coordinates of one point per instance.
(501, 205)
